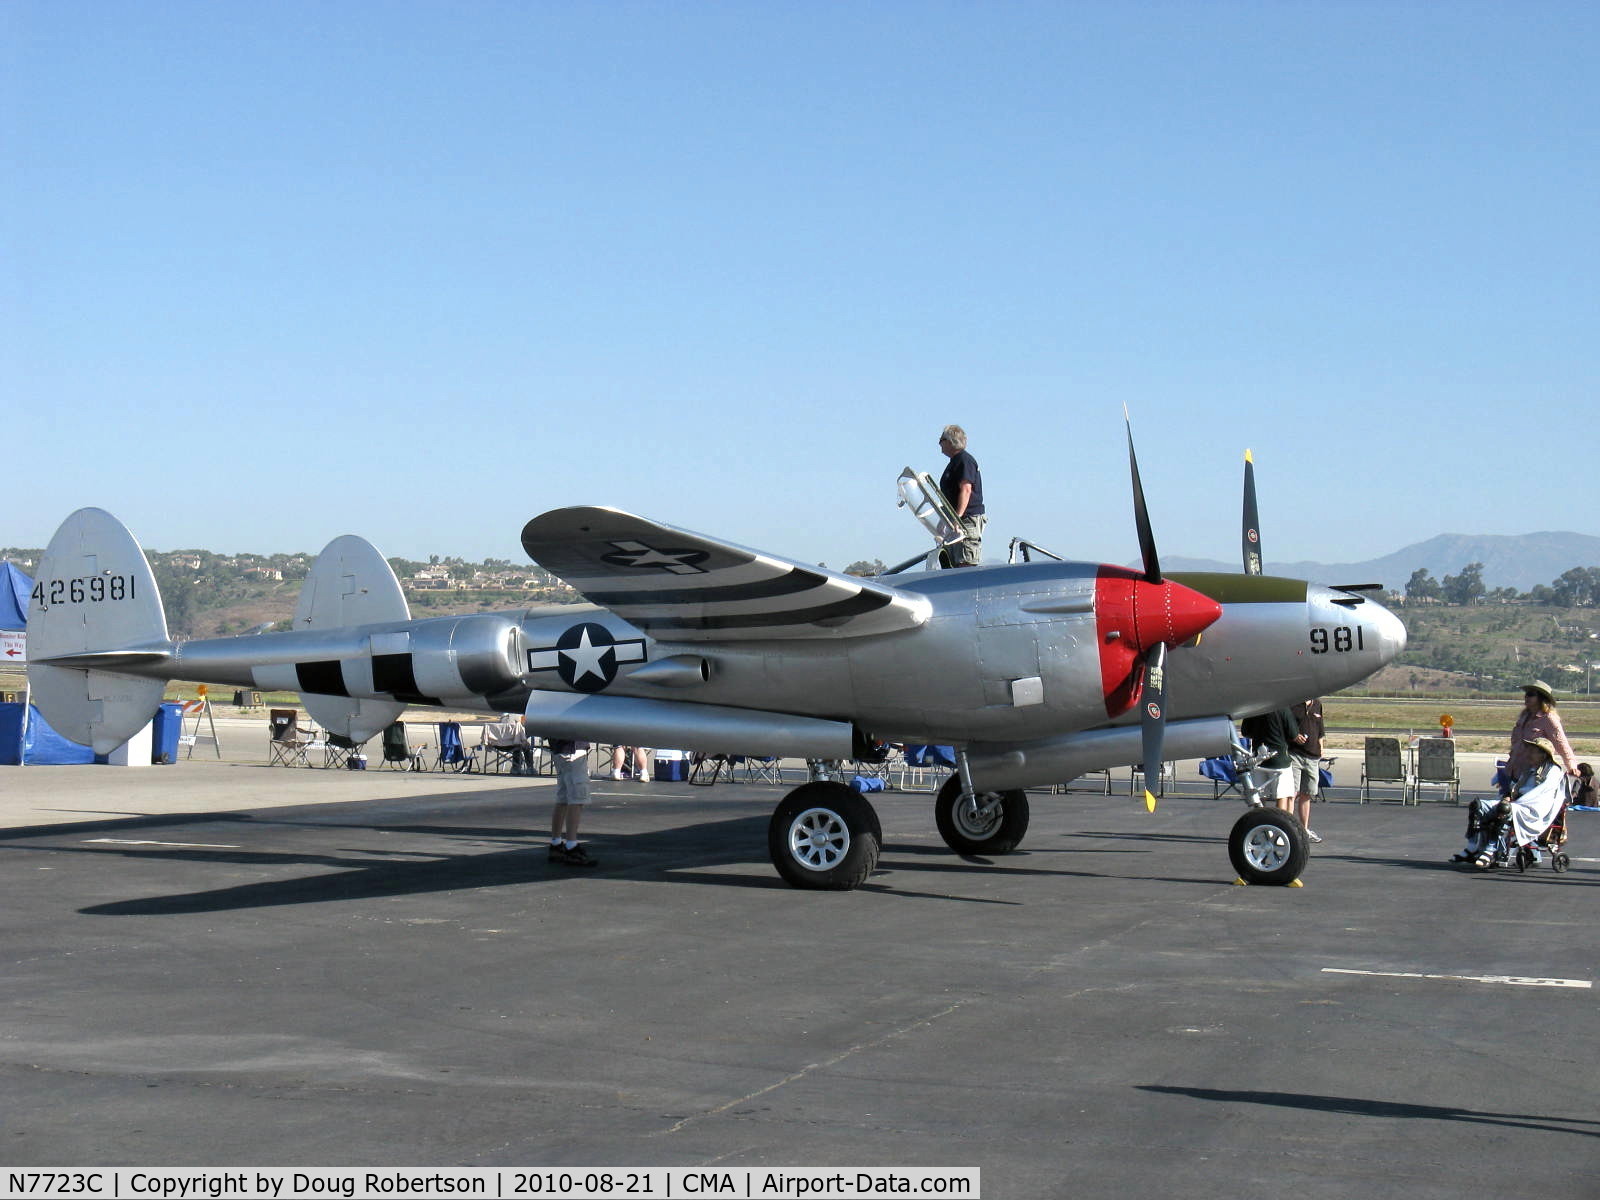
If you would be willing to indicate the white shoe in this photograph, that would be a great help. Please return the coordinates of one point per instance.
(618, 775)
(1312, 835)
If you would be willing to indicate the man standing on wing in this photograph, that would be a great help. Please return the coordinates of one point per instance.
(962, 485)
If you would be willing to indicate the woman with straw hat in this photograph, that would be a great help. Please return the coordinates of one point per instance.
(1538, 719)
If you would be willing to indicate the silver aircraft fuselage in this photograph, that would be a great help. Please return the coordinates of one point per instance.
(1010, 654)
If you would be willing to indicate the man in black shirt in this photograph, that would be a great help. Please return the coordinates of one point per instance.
(962, 485)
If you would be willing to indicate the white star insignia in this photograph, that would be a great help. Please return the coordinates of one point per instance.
(586, 658)
(637, 555)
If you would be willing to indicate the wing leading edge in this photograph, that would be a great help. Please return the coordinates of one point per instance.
(688, 587)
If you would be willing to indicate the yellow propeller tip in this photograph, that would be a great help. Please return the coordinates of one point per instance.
(1247, 457)
(1149, 801)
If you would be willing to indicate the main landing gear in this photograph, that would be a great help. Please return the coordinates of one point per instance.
(824, 836)
(827, 836)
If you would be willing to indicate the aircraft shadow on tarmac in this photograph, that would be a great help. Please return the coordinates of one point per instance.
(1386, 1109)
(680, 854)
(1163, 838)
(1575, 877)
(384, 872)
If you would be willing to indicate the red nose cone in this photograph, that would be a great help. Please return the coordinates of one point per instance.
(1171, 613)
(1131, 615)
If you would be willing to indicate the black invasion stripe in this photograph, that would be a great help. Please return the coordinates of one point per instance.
(481, 677)
(787, 584)
(512, 700)
(393, 673)
(321, 678)
(853, 607)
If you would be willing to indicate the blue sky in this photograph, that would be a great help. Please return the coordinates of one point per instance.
(420, 271)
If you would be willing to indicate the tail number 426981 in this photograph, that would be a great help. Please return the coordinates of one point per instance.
(96, 589)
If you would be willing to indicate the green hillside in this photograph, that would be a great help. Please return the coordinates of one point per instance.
(1492, 649)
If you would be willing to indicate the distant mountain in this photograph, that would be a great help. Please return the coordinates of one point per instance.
(1522, 561)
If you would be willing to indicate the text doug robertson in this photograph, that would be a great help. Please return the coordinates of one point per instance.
(240, 1184)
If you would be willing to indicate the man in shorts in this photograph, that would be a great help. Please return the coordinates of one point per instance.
(572, 792)
(1270, 779)
(1305, 760)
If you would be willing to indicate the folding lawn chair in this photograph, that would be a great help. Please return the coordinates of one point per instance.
(288, 744)
(453, 756)
(397, 752)
(1224, 775)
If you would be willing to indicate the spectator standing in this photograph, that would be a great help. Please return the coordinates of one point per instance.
(641, 762)
(572, 793)
(1538, 719)
(1271, 733)
(1305, 754)
(962, 485)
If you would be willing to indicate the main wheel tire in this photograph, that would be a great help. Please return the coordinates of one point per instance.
(824, 836)
(998, 827)
(1268, 845)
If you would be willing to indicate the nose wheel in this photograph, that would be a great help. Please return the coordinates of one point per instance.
(1268, 846)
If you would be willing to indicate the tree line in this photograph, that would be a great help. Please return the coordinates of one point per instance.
(1576, 588)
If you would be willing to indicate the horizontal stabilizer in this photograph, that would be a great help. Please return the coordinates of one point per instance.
(685, 586)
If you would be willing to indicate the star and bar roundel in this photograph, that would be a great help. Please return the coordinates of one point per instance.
(586, 656)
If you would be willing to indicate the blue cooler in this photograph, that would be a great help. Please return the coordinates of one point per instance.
(671, 770)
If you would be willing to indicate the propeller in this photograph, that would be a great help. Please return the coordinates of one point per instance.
(1141, 514)
(1153, 717)
(1138, 617)
(1252, 522)
(1153, 708)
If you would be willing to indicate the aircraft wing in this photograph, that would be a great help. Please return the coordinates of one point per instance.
(685, 586)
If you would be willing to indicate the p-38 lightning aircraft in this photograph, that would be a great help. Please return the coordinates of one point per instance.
(1035, 672)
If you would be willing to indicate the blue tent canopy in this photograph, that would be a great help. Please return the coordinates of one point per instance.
(33, 741)
(14, 589)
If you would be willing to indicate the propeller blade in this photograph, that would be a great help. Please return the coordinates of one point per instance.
(1153, 717)
(1141, 515)
(1252, 521)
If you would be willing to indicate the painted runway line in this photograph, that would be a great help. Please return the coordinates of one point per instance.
(179, 845)
(1513, 980)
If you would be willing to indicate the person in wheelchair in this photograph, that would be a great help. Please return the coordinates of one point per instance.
(1534, 802)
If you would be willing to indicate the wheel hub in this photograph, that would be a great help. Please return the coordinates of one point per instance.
(1266, 848)
(979, 819)
(819, 839)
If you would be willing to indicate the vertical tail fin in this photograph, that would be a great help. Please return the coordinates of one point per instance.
(350, 584)
(97, 633)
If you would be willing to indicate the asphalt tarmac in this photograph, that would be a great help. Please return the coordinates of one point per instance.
(224, 964)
